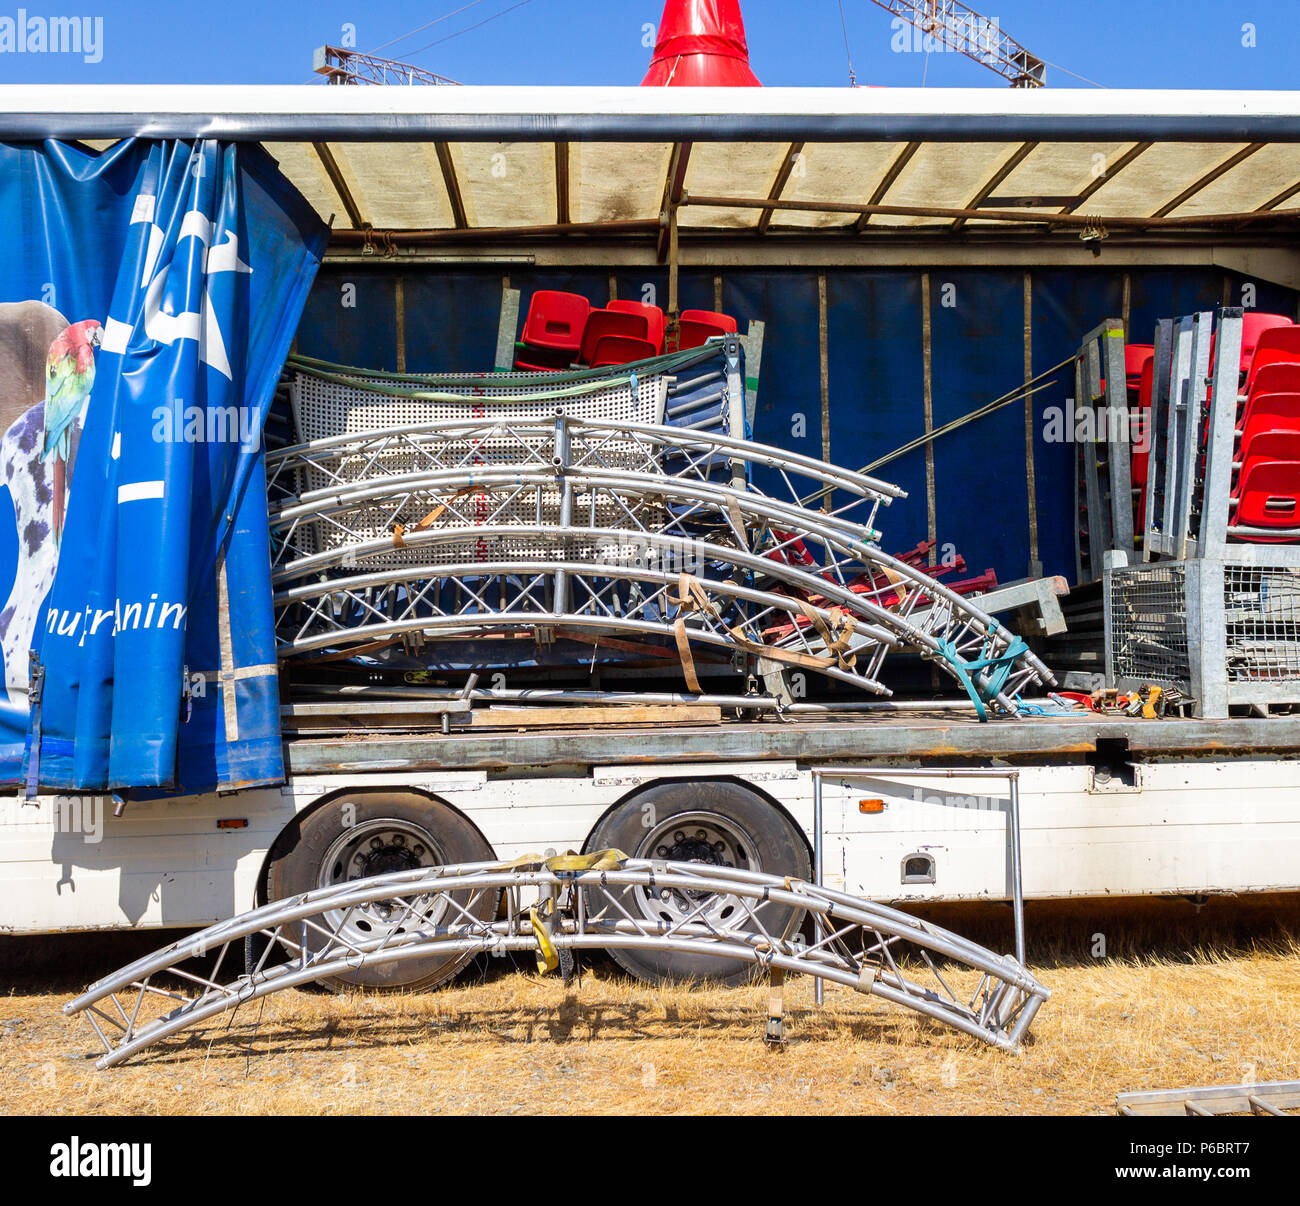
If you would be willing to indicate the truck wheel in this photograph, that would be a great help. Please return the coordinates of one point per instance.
(714, 821)
(370, 833)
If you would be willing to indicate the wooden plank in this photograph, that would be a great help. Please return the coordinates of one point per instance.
(562, 183)
(1209, 178)
(451, 184)
(887, 182)
(353, 716)
(613, 714)
(507, 327)
(1109, 173)
(365, 709)
(1008, 166)
(673, 185)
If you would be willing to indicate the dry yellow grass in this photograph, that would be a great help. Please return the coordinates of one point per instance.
(1221, 1008)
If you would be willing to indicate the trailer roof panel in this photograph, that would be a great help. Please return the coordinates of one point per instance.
(852, 169)
(1160, 175)
(1255, 183)
(613, 181)
(434, 162)
(951, 175)
(715, 167)
(1060, 169)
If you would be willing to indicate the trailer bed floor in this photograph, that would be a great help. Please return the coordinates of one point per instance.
(914, 736)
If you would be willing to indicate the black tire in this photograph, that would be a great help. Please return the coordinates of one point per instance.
(357, 834)
(644, 826)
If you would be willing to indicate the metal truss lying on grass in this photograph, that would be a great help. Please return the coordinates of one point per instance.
(1277, 1098)
(556, 907)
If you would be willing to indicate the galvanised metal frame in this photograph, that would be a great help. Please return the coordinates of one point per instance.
(561, 445)
(1189, 531)
(578, 524)
(1187, 510)
(432, 911)
(310, 619)
(821, 773)
(1278, 1098)
(1103, 502)
(1205, 616)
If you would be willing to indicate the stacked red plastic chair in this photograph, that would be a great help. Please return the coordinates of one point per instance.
(1266, 484)
(552, 335)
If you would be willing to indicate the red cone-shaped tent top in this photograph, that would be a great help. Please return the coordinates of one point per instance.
(701, 45)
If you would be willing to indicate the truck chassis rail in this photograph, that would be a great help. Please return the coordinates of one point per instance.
(611, 902)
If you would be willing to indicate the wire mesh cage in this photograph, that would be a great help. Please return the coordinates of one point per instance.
(1224, 630)
(1148, 609)
(1262, 623)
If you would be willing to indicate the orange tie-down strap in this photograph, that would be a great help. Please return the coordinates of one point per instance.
(433, 516)
(836, 634)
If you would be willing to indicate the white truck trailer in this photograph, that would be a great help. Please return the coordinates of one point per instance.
(911, 253)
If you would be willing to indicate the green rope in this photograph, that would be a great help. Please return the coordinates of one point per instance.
(1000, 665)
(375, 386)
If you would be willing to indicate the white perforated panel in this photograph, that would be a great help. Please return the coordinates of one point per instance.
(324, 408)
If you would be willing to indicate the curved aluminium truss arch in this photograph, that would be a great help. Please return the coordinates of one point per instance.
(592, 444)
(614, 903)
(441, 503)
(436, 600)
(843, 634)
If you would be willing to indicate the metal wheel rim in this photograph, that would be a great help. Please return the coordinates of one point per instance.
(737, 850)
(388, 844)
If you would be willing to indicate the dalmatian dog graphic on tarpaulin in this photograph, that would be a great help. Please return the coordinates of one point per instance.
(46, 374)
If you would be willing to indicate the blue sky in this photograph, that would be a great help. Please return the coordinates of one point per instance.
(1140, 43)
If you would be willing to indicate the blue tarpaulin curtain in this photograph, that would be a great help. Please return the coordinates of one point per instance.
(156, 643)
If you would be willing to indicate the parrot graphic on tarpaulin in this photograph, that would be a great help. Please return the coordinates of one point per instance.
(69, 378)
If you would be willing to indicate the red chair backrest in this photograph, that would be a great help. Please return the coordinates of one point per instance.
(1270, 412)
(1146, 388)
(1136, 357)
(1270, 446)
(697, 327)
(1142, 430)
(603, 323)
(622, 349)
(556, 320)
(1267, 356)
(1269, 495)
(653, 315)
(1275, 376)
(1253, 326)
(725, 324)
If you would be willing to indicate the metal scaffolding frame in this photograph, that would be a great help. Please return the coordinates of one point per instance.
(566, 905)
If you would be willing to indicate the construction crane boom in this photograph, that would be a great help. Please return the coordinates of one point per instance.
(341, 66)
(957, 27)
